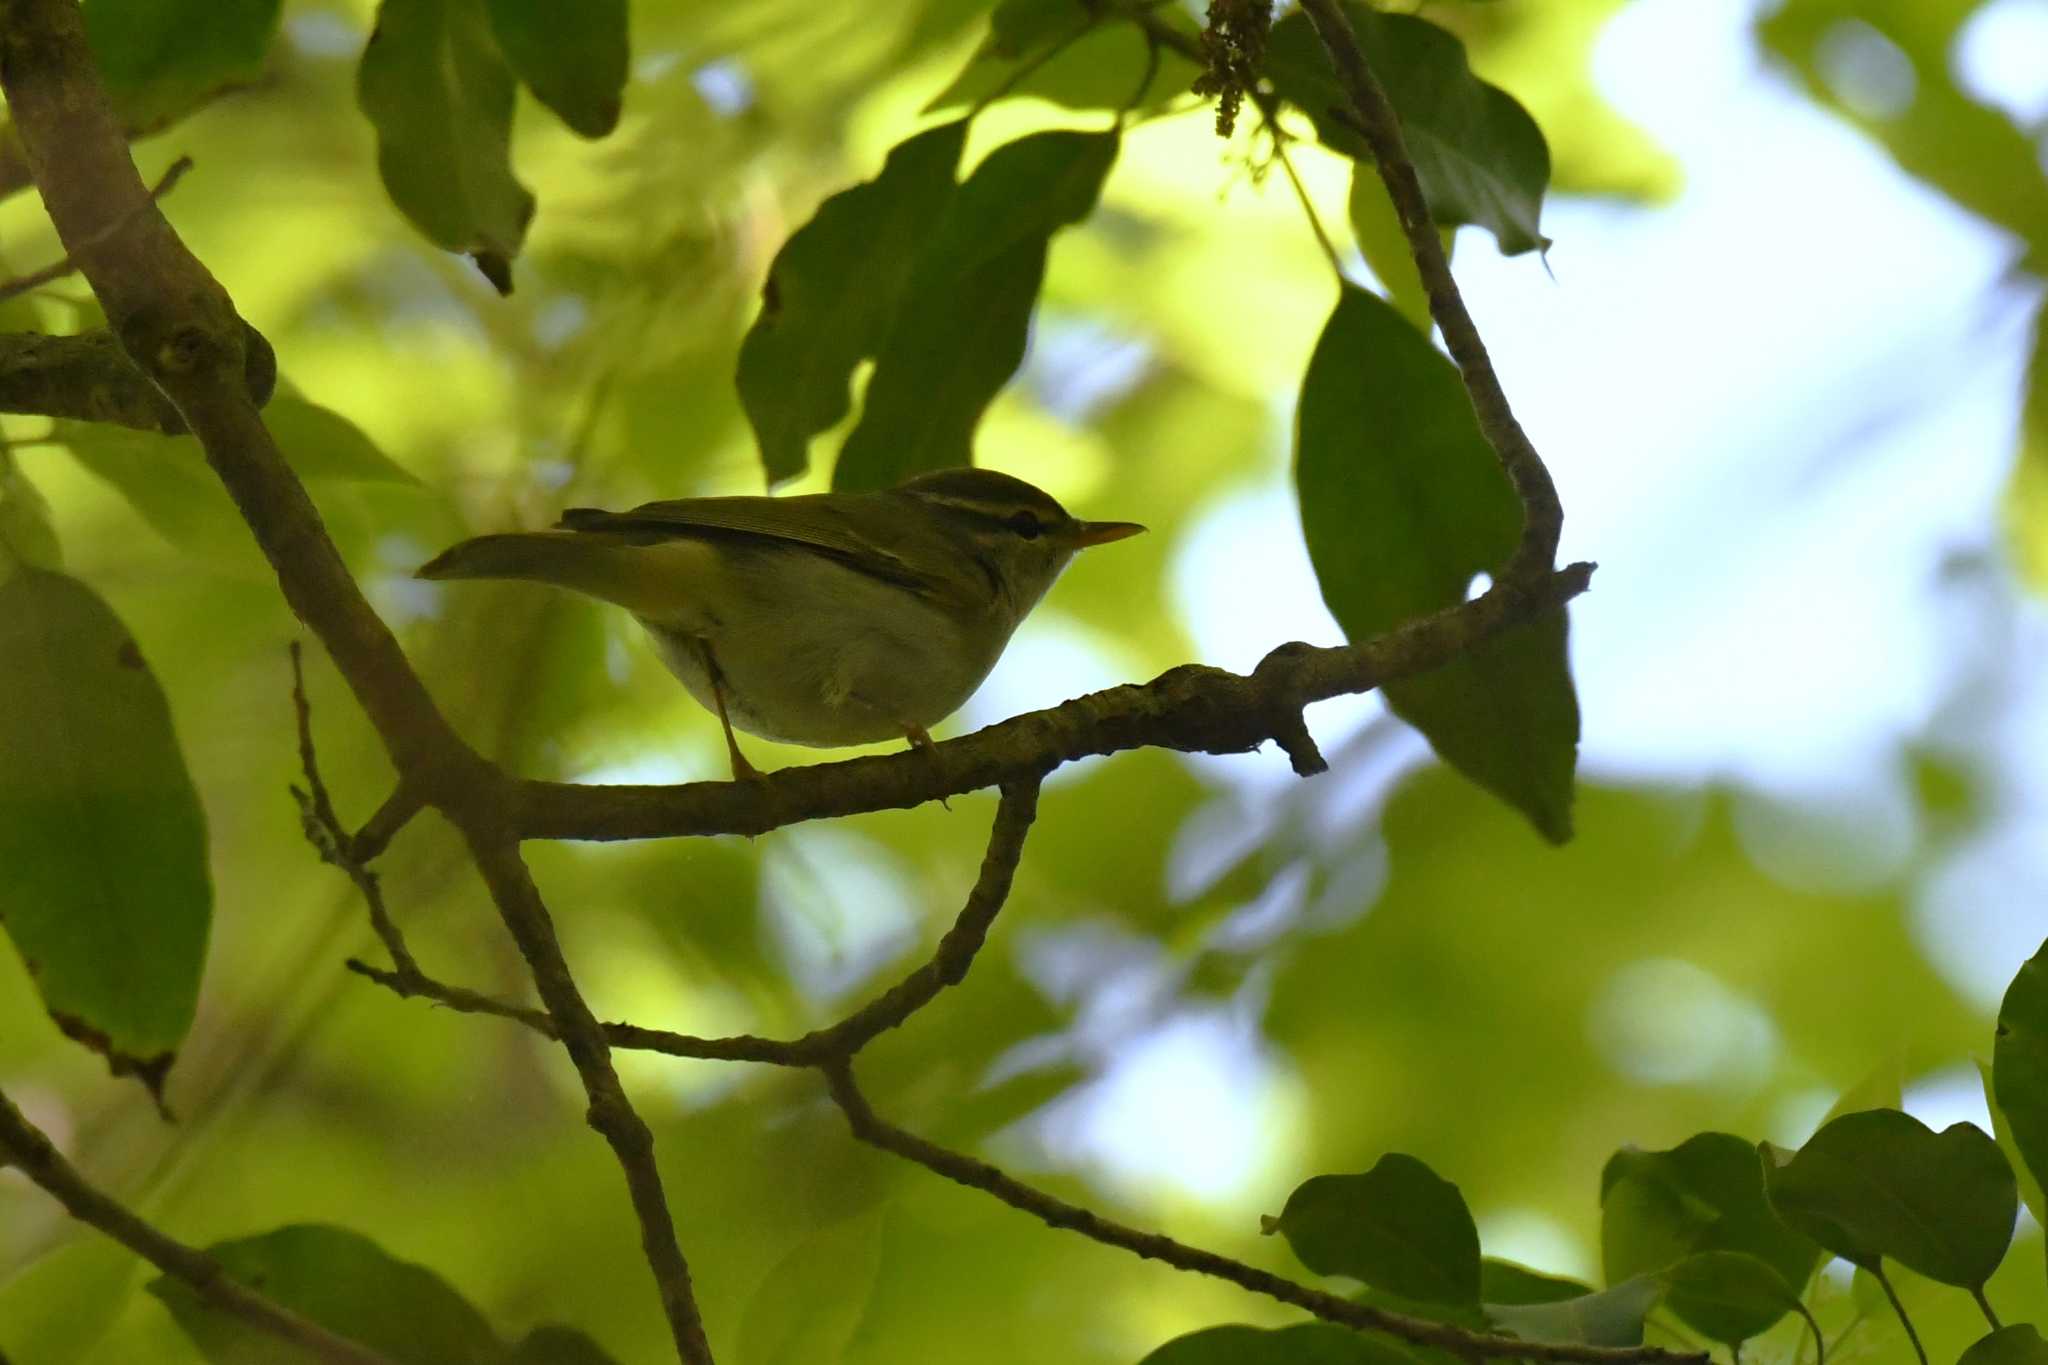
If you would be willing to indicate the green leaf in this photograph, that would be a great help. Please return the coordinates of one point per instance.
(2019, 1072)
(1612, 1317)
(960, 330)
(832, 292)
(1307, 1343)
(1505, 1282)
(1402, 503)
(554, 1345)
(346, 1283)
(1480, 157)
(106, 893)
(1705, 1195)
(1377, 230)
(1881, 1088)
(832, 1275)
(571, 55)
(2001, 1133)
(2019, 1344)
(440, 96)
(1063, 52)
(1731, 1296)
(164, 58)
(1399, 1227)
(1881, 1183)
(26, 537)
(322, 445)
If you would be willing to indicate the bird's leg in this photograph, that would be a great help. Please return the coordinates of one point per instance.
(742, 770)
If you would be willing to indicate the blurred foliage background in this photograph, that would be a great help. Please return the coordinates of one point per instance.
(1779, 361)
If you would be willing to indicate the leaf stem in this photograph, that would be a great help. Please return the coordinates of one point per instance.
(1885, 1282)
(1308, 208)
(1977, 1293)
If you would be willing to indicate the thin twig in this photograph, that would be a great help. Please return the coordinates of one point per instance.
(1270, 118)
(29, 1150)
(1543, 517)
(36, 279)
(871, 1128)
(376, 836)
(947, 966)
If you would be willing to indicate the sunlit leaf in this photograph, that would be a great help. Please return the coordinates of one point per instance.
(1705, 1195)
(1402, 503)
(1399, 1227)
(440, 96)
(831, 1274)
(1377, 230)
(1881, 1087)
(2019, 1072)
(1308, 1343)
(106, 895)
(1882, 1184)
(1480, 157)
(164, 58)
(1612, 1317)
(26, 536)
(2018, 1344)
(572, 56)
(1505, 1282)
(831, 293)
(960, 330)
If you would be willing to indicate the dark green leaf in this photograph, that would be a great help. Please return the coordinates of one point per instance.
(1402, 503)
(831, 293)
(1881, 1183)
(1308, 1343)
(960, 330)
(1505, 1282)
(1064, 52)
(831, 1274)
(164, 58)
(106, 893)
(437, 91)
(26, 536)
(346, 1283)
(552, 1345)
(1480, 157)
(1612, 1317)
(1399, 1227)
(2019, 1068)
(1731, 1296)
(2001, 1133)
(1704, 1195)
(572, 55)
(2019, 1344)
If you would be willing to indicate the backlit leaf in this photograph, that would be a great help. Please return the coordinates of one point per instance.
(1882, 1184)
(439, 94)
(1731, 1296)
(1402, 503)
(2018, 1344)
(1399, 1227)
(832, 292)
(571, 55)
(960, 330)
(830, 1274)
(1069, 54)
(164, 58)
(1480, 157)
(1308, 1343)
(2019, 1070)
(106, 893)
(1612, 1317)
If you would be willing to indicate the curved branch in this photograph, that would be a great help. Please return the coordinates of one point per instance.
(29, 1150)
(1191, 708)
(876, 1131)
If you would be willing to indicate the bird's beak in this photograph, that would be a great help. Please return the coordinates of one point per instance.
(1088, 533)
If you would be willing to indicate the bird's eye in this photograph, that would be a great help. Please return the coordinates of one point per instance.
(1025, 525)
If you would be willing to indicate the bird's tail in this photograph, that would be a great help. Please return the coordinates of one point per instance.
(604, 566)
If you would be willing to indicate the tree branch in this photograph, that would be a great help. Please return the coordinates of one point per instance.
(1191, 708)
(36, 279)
(179, 327)
(1375, 119)
(947, 966)
(29, 1150)
(876, 1131)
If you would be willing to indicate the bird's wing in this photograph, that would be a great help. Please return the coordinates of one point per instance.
(829, 529)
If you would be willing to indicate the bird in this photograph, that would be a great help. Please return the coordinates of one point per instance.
(826, 619)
